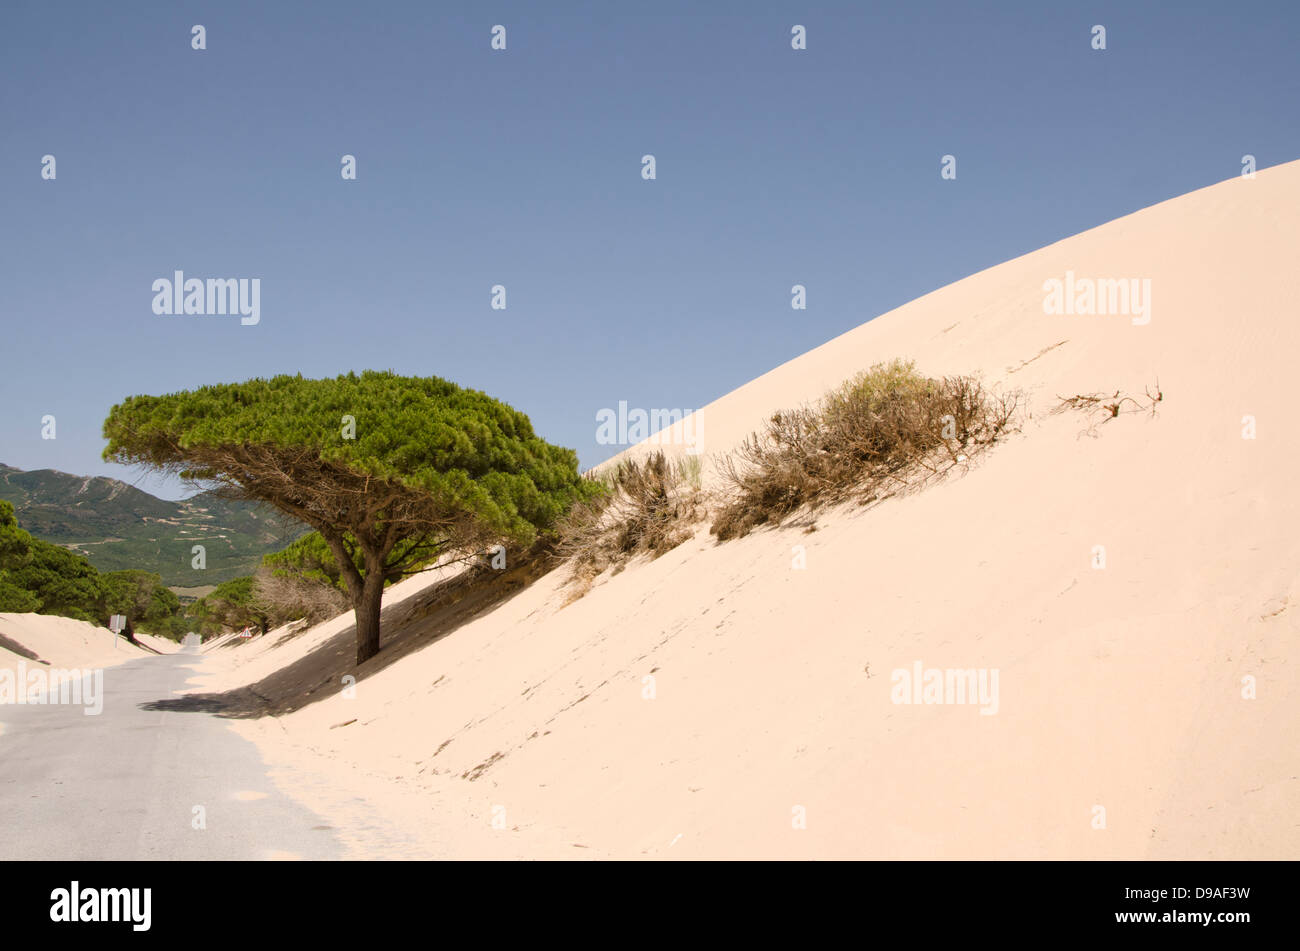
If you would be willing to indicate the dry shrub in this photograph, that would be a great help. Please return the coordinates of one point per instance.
(286, 597)
(647, 507)
(882, 427)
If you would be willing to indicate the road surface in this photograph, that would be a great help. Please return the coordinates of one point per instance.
(125, 784)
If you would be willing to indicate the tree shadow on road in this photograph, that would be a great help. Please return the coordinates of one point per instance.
(407, 626)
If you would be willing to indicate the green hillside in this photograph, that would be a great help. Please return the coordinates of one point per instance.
(118, 526)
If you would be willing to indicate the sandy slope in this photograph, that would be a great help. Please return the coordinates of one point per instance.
(61, 642)
(159, 644)
(1120, 688)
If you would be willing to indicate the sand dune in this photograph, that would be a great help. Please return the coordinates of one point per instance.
(60, 642)
(159, 644)
(1120, 730)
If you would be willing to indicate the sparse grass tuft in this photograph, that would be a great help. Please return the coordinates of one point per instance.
(883, 427)
(647, 507)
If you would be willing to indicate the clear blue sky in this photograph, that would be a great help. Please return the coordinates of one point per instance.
(522, 168)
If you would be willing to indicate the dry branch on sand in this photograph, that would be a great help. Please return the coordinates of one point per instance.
(285, 597)
(1104, 408)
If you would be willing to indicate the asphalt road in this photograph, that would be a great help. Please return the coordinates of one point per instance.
(125, 784)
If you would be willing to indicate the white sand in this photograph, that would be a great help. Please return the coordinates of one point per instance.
(1119, 688)
(63, 643)
(160, 644)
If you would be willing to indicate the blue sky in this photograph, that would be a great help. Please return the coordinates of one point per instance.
(523, 168)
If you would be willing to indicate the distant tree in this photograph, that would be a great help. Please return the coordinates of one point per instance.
(390, 470)
(235, 604)
(202, 618)
(142, 597)
(15, 544)
(62, 581)
(310, 559)
(36, 575)
(15, 551)
(14, 599)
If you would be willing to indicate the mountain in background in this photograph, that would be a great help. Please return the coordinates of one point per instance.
(118, 526)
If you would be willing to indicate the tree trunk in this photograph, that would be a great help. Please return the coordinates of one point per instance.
(367, 612)
(367, 598)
